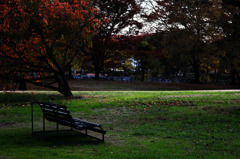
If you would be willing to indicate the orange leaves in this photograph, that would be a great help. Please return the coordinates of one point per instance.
(5, 26)
(34, 30)
(45, 21)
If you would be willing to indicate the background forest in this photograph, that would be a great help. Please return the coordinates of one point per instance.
(46, 43)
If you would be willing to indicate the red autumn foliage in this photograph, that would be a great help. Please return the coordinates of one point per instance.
(41, 36)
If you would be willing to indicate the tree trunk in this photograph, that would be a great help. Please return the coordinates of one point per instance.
(70, 75)
(66, 93)
(63, 86)
(196, 69)
(65, 90)
(22, 84)
(166, 69)
(233, 76)
(97, 73)
(142, 69)
(98, 61)
(143, 75)
(238, 83)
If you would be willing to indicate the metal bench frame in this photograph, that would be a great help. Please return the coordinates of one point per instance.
(61, 115)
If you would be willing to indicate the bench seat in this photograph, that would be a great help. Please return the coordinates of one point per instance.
(61, 115)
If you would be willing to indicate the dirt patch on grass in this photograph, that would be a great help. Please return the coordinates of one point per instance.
(11, 125)
(6, 124)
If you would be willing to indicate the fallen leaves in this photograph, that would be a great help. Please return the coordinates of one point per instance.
(150, 105)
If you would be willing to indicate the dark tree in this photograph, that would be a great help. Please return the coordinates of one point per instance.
(232, 2)
(121, 14)
(191, 24)
(229, 45)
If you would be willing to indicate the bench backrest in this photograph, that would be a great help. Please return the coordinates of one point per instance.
(56, 113)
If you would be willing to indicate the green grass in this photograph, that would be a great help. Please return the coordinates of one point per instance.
(139, 124)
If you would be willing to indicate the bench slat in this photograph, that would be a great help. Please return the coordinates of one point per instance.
(90, 124)
(55, 107)
(58, 116)
(60, 121)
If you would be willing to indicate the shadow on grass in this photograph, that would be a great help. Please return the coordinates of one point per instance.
(25, 97)
(15, 138)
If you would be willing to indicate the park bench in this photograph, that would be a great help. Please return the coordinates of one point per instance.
(61, 115)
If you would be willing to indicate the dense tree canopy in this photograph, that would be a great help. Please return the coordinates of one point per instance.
(188, 26)
(228, 46)
(232, 2)
(39, 39)
(121, 14)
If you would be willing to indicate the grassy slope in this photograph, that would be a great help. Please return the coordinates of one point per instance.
(153, 124)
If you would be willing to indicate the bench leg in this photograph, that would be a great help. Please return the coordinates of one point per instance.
(86, 131)
(57, 129)
(43, 125)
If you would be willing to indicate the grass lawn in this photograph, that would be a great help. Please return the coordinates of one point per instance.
(139, 124)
